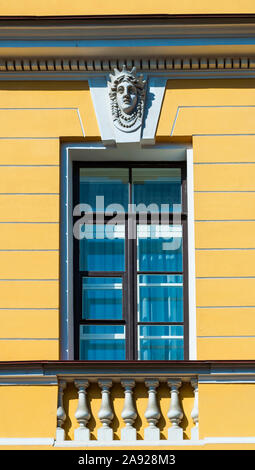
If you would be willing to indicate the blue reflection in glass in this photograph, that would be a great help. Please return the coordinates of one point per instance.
(102, 298)
(103, 248)
(157, 186)
(160, 343)
(160, 298)
(111, 183)
(102, 342)
(159, 248)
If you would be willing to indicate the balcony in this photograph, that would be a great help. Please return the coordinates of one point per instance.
(127, 403)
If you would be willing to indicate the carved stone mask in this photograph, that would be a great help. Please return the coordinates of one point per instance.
(126, 96)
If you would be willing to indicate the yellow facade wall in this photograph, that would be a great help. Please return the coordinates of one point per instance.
(47, 109)
(225, 248)
(32, 323)
(210, 106)
(36, 420)
(100, 7)
(225, 410)
(224, 170)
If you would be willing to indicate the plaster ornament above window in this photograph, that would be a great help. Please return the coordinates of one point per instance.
(127, 95)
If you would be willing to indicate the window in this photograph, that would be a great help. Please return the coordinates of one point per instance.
(130, 262)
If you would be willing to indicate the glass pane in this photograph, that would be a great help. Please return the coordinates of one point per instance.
(160, 298)
(157, 186)
(111, 183)
(103, 248)
(102, 298)
(160, 343)
(102, 342)
(159, 248)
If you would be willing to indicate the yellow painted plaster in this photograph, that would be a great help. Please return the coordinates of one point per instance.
(225, 263)
(29, 151)
(29, 294)
(31, 323)
(29, 208)
(29, 264)
(225, 234)
(29, 179)
(29, 350)
(28, 411)
(226, 348)
(222, 148)
(100, 7)
(207, 107)
(29, 236)
(224, 206)
(225, 292)
(232, 321)
(226, 177)
(47, 109)
(226, 410)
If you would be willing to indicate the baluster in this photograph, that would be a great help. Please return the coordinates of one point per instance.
(105, 433)
(61, 415)
(195, 412)
(175, 414)
(152, 413)
(128, 414)
(82, 413)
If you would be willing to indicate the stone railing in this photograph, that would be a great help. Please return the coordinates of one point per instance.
(129, 414)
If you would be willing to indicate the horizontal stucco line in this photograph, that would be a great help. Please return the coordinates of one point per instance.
(214, 106)
(230, 336)
(28, 249)
(28, 138)
(223, 192)
(226, 306)
(29, 166)
(36, 223)
(30, 308)
(224, 220)
(28, 280)
(224, 163)
(29, 194)
(29, 339)
(223, 249)
(224, 135)
(38, 108)
(225, 277)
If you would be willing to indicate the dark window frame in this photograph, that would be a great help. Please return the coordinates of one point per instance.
(129, 276)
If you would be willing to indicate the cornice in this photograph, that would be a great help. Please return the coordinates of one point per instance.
(167, 64)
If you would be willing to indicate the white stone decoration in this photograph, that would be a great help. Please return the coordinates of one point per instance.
(152, 413)
(61, 414)
(175, 414)
(105, 414)
(194, 412)
(82, 413)
(128, 414)
(127, 97)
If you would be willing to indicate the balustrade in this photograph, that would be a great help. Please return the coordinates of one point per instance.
(129, 412)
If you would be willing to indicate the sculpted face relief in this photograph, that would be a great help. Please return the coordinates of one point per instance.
(127, 95)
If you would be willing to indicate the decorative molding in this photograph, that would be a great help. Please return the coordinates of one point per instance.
(45, 441)
(127, 96)
(145, 64)
(164, 442)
